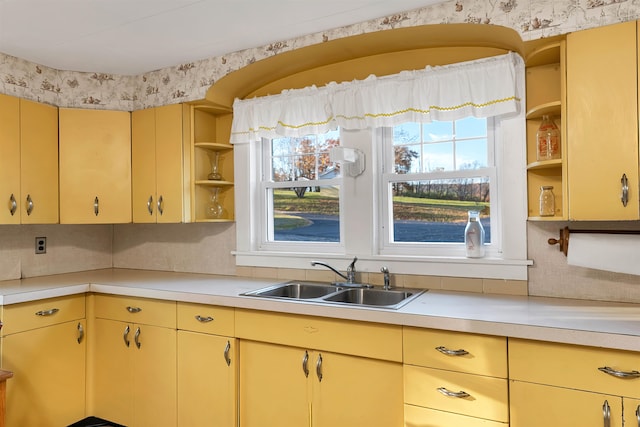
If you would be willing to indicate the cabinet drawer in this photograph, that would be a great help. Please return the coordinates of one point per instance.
(573, 366)
(488, 396)
(136, 310)
(204, 318)
(460, 352)
(372, 340)
(41, 313)
(418, 416)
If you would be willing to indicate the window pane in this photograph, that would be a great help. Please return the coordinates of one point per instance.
(305, 158)
(471, 154)
(435, 211)
(437, 131)
(306, 214)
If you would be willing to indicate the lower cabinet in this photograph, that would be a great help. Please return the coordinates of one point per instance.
(560, 384)
(207, 366)
(134, 370)
(44, 345)
(281, 385)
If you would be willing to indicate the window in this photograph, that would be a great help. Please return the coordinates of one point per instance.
(434, 174)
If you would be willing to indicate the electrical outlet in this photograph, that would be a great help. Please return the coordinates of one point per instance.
(41, 245)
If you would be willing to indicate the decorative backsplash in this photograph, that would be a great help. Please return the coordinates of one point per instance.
(533, 19)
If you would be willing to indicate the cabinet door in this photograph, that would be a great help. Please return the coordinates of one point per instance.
(631, 412)
(143, 165)
(154, 376)
(355, 391)
(274, 390)
(48, 386)
(169, 160)
(112, 387)
(535, 405)
(39, 162)
(95, 166)
(9, 160)
(206, 382)
(602, 96)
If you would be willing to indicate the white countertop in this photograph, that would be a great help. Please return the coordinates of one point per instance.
(601, 324)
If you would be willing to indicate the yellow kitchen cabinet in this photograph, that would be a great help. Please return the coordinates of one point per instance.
(159, 153)
(207, 366)
(311, 371)
(546, 95)
(560, 384)
(210, 136)
(28, 162)
(602, 121)
(631, 412)
(43, 343)
(281, 385)
(95, 166)
(134, 368)
(454, 378)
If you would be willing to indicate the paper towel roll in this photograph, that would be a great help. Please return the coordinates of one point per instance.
(619, 253)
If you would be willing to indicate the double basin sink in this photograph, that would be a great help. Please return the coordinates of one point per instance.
(338, 293)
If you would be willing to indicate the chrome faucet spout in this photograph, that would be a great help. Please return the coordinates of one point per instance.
(351, 271)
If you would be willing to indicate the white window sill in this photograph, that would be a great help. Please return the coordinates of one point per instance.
(486, 268)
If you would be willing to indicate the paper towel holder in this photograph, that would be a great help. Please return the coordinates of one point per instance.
(563, 240)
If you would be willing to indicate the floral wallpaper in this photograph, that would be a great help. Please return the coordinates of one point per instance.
(533, 19)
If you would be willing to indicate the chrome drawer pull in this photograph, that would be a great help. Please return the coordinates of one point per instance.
(136, 337)
(319, 368)
(227, 349)
(638, 415)
(13, 205)
(624, 198)
(606, 414)
(619, 374)
(305, 364)
(458, 394)
(49, 312)
(96, 206)
(125, 336)
(204, 319)
(150, 205)
(134, 309)
(444, 350)
(80, 332)
(161, 205)
(29, 204)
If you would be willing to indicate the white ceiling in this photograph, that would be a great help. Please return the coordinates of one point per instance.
(131, 37)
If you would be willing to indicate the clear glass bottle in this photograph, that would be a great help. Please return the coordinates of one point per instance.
(474, 236)
(214, 209)
(215, 172)
(547, 201)
(548, 140)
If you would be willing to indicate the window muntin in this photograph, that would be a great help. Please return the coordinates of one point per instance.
(440, 171)
(301, 191)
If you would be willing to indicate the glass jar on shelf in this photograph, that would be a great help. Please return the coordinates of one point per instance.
(214, 209)
(548, 140)
(215, 171)
(547, 201)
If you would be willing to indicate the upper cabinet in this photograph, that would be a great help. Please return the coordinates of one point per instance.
(28, 162)
(160, 157)
(602, 123)
(212, 171)
(546, 82)
(95, 166)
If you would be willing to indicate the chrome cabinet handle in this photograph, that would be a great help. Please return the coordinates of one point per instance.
(49, 312)
(150, 205)
(161, 205)
(204, 319)
(134, 309)
(458, 394)
(29, 204)
(136, 337)
(80, 332)
(619, 374)
(13, 204)
(125, 337)
(449, 352)
(638, 415)
(319, 367)
(305, 364)
(606, 414)
(227, 349)
(625, 190)
(96, 206)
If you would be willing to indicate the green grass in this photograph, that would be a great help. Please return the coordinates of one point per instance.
(405, 208)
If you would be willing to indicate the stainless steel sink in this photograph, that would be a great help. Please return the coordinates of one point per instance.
(335, 294)
(374, 297)
(296, 290)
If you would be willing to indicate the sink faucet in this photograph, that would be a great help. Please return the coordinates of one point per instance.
(351, 270)
(387, 282)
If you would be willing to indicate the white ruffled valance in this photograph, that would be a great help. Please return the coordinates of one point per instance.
(482, 88)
